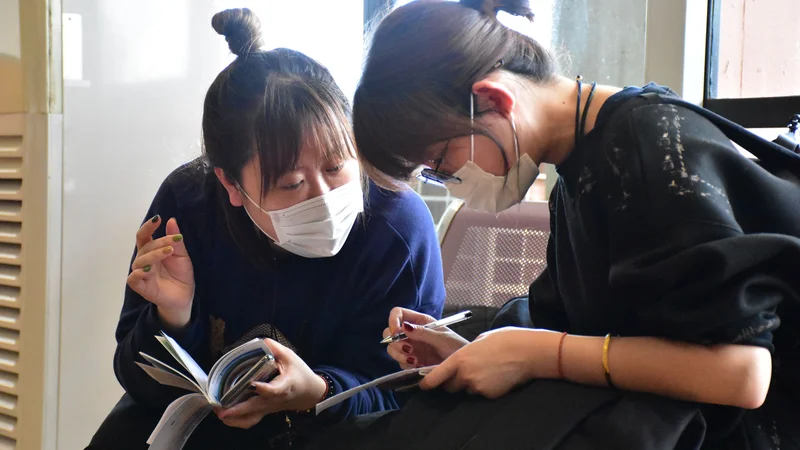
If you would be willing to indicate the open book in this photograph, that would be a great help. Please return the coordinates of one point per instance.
(224, 386)
(397, 381)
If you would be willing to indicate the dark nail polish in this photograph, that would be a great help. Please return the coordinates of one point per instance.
(177, 237)
(408, 327)
(407, 348)
(155, 218)
(251, 388)
(147, 268)
(410, 360)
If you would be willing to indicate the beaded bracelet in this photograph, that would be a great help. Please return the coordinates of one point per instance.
(561, 356)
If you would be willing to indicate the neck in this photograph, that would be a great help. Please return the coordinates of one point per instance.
(547, 116)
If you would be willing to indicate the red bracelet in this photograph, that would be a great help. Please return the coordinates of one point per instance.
(561, 356)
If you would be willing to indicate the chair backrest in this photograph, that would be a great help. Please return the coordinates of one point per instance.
(489, 259)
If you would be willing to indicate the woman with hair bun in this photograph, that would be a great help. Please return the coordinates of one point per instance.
(273, 233)
(671, 298)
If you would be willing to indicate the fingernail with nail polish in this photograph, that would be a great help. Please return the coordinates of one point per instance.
(252, 387)
(167, 250)
(155, 218)
(177, 237)
(408, 327)
(407, 348)
(147, 268)
(410, 360)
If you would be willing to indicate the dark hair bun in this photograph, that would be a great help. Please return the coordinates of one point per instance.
(520, 8)
(241, 28)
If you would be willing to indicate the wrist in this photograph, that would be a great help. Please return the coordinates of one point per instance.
(174, 319)
(543, 362)
(318, 391)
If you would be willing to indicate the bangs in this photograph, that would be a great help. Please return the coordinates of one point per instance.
(299, 113)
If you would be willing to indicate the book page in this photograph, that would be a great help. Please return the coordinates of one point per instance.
(395, 381)
(167, 378)
(186, 360)
(231, 364)
(178, 422)
(262, 370)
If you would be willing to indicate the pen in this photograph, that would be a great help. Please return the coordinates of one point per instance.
(454, 319)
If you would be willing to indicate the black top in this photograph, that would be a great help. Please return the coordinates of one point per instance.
(660, 227)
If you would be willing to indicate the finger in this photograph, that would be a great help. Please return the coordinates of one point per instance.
(177, 237)
(137, 281)
(244, 408)
(274, 389)
(279, 351)
(395, 321)
(147, 260)
(386, 333)
(443, 372)
(399, 315)
(400, 357)
(145, 232)
(433, 338)
(172, 240)
(172, 226)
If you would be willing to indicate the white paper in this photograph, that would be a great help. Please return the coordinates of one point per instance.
(178, 422)
(167, 368)
(187, 361)
(167, 378)
(412, 375)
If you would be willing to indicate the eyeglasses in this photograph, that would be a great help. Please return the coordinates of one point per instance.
(435, 176)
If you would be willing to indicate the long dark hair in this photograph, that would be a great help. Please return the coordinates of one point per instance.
(419, 71)
(268, 104)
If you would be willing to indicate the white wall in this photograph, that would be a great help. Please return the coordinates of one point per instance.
(9, 27)
(131, 116)
(10, 65)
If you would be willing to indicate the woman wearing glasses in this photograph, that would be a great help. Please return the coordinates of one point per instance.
(668, 272)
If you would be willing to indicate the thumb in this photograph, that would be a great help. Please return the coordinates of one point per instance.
(172, 227)
(279, 351)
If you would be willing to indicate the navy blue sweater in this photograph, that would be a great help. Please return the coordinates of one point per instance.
(331, 311)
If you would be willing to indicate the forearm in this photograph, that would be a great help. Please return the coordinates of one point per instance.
(735, 375)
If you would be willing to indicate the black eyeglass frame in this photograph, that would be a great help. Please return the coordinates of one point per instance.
(434, 175)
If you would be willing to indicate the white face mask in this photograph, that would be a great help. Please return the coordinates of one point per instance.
(486, 192)
(318, 227)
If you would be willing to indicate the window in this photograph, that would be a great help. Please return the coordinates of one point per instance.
(753, 61)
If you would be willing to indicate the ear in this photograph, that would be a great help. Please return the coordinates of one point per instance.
(233, 191)
(494, 95)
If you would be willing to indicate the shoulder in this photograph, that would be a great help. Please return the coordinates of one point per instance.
(401, 213)
(670, 164)
(186, 188)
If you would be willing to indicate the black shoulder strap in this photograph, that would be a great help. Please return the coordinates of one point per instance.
(768, 152)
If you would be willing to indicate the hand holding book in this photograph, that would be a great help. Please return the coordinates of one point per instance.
(295, 388)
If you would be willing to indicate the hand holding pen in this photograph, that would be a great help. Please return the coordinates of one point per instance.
(446, 322)
(416, 339)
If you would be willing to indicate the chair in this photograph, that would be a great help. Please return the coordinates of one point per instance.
(489, 259)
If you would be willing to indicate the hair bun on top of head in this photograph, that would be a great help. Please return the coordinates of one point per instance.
(520, 8)
(241, 28)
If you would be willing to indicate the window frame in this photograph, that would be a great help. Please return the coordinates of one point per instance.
(756, 112)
